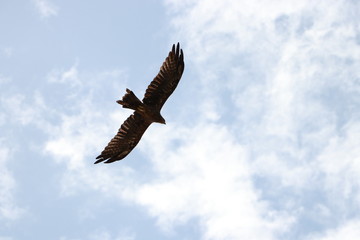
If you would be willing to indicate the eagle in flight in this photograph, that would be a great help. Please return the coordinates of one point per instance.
(146, 111)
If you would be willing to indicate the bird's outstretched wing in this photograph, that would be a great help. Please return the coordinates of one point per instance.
(125, 140)
(167, 79)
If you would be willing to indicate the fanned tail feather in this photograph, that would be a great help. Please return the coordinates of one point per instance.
(129, 100)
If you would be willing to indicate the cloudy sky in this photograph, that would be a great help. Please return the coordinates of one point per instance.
(262, 136)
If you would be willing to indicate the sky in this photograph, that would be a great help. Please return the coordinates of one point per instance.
(262, 136)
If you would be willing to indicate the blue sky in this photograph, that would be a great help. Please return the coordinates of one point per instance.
(262, 135)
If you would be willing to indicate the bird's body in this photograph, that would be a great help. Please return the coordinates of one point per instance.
(146, 111)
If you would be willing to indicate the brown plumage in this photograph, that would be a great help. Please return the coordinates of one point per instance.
(146, 111)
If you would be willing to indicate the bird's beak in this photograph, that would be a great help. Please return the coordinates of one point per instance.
(162, 120)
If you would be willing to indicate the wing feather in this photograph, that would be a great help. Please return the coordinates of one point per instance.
(167, 79)
(125, 140)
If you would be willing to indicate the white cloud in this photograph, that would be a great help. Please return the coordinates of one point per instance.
(46, 8)
(4, 79)
(207, 177)
(65, 76)
(76, 140)
(282, 64)
(340, 161)
(19, 108)
(7, 51)
(8, 208)
(104, 235)
(348, 231)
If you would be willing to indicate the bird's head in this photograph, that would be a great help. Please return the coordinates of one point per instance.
(159, 119)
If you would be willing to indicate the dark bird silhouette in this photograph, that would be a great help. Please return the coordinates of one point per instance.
(146, 111)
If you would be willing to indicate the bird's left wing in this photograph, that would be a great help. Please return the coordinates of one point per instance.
(125, 140)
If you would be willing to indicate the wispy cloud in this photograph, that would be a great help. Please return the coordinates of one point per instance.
(340, 160)
(348, 231)
(5, 238)
(7, 51)
(8, 207)
(46, 8)
(76, 140)
(206, 176)
(104, 235)
(4, 79)
(282, 65)
(69, 76)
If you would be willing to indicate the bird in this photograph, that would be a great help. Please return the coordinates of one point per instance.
(146, 111)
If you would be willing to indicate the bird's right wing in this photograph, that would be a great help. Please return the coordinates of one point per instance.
(167, 79)
(125, 140)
